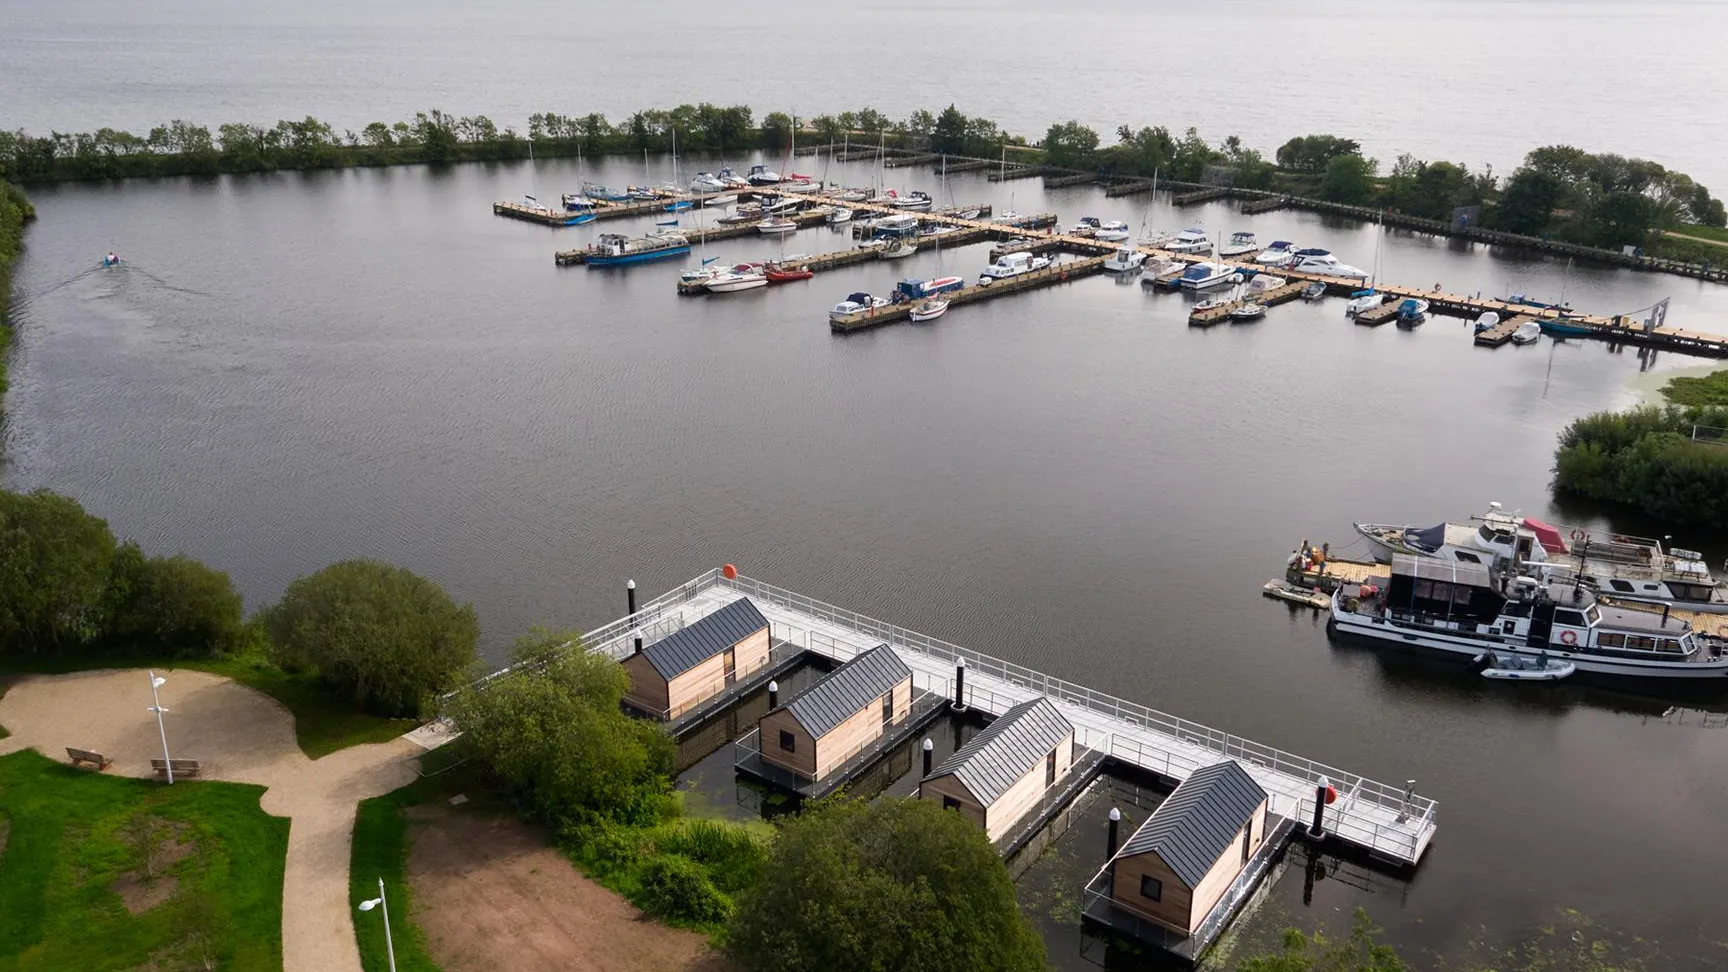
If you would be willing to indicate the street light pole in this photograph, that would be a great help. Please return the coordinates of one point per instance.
(384, 906)
(156, 707)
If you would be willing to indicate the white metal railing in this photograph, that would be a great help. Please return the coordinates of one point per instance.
(1224, 743)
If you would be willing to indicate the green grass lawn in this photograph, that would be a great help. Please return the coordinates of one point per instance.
(208, 860)
(323, 721)
(1717, 233)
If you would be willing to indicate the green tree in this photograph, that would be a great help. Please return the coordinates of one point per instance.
(554, 732)
(383, 635)
(54, 566)
(776, 131)
(1312, 153)
(1527, 203)
(1191, 157)
(1348, 179)
(1070, 145)
(896, 884)
(1615, 219)
(171, 606)
(949, 133)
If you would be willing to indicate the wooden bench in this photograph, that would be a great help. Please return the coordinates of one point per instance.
(182, 767)
(82, 756)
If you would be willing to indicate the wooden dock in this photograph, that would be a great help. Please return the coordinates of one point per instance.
(902, 161)
(1022, 172)
(1200, 195)
(1271, 298)
(1377, 316)
(974, 293)
(1129, 187)
(1064, 181)
(1500, 333)
(1385, 821)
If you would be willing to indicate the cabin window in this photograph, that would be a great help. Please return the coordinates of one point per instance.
(788, 742)
(1573, 618)
(1670, 645)
(1466, 556)
(1151, 888)
(888, 708)
(1624, 587)
(1050, 770)
(1460, 594)
(950, 803)
(1507, 627)
(1608, 639)
(1640, 642)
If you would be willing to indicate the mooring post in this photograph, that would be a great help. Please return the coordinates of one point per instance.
(960, 684)
(1115, 821)
(929, 755)
(773, 694)
(630, 602)
(1409, 792)
(1317, 829)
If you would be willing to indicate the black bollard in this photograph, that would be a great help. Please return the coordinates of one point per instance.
(630, 601)
(773, 694)
(1317, 830)
(929, 756)
(960, 685)
(1115, 821)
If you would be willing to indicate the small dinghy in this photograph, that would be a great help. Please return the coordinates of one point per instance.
(1518, 668)
(1248, 312)
(1487, 320)
(928, 310)
(1527, 333)
(1314, 291)
(779, 274)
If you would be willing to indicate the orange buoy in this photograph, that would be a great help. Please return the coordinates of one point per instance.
(1331, 794)
(730, 571)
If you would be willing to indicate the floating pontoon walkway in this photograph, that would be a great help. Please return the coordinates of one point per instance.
(1374, 817)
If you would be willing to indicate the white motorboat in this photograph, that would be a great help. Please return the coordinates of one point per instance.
(1247, 312)
(1527, 333)
(1213, 303)
(732, 180)
(732, 282)
(1317, 260)
(1239, 244)
(1363, 301)
(838, 216)
(1263, 282)
(928, 310)
(1204, 276)
(852, 195)
(776, 225)
(800, 185)
(761, 175)
(782, 206)
(724, 199)
(1111, 231)
(916, 201)
(1085, 226)
(1192, 240)
(898, 248)
(1461, 610)
(856, 303)
(1278, 253)
(743, 214)
(1012, 265)
(1518, 668)
(1125, 260)
(1314, 291)
(1487, 320)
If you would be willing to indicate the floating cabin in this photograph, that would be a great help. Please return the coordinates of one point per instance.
(833, 720)
(693, 664)
(1006, 769)
(1177, 866)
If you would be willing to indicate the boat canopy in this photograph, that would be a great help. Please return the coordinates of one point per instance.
(1548, 536)
(858, 298)
(1427, 539)
(1363, 293)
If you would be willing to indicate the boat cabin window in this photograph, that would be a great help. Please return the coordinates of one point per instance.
(1640, 642)
(1517, 609)
(1670, 645)
(1493, 536)
(1624, 587)
(1593, 614)
(1690, 592)
(1573, 618)
(1443, 591)
(1609, 639)
(1466, 556)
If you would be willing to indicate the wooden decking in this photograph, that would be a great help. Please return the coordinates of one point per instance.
(1502, 332)
(1271, 298)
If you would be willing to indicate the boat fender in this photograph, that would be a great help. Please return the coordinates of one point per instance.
(1569, 637)
(1331, 794)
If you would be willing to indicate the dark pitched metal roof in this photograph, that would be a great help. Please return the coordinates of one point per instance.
(1197, 823)
(846, 689)
(690, 646)
(1015, 742)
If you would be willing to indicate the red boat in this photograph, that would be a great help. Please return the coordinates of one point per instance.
(784, 274)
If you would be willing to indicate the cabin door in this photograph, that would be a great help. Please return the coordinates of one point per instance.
(731, 666)
(1541, 625)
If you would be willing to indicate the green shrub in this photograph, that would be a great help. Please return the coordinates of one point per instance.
(733, 854)
(1647, 458)
(677, 888)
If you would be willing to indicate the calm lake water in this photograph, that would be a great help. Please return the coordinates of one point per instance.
(298, 368)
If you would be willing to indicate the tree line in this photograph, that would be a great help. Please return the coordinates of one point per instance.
(15, 211)
(1648, 457)
(378, 635)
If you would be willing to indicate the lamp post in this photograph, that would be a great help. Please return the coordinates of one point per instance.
(156, 707)
(384, 906)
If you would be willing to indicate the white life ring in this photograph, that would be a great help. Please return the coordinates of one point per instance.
(1569, 637)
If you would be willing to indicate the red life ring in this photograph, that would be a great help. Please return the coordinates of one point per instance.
(1569, 637)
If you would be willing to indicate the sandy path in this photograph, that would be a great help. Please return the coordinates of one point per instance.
(239, 735)
(490, 894)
